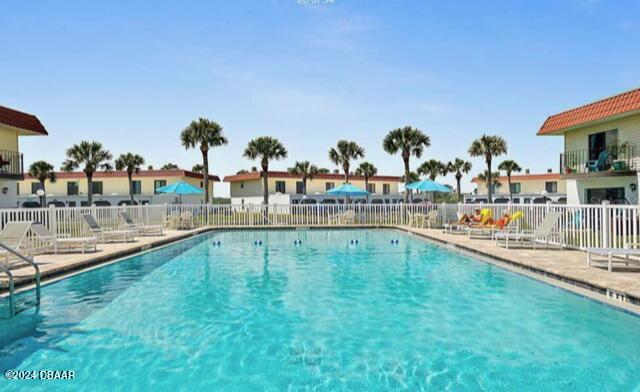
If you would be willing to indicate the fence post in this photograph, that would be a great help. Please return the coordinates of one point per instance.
(605, 224)
(53, 219)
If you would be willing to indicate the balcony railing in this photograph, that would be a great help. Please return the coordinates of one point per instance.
(614, 158)
(11, 164)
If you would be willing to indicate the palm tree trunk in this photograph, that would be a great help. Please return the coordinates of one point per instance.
(366, 187)
(489, 181)
(509, 182)
(89, 188)
(265, 190)
(304, 186)
(44, 195)
(458, 178)
(346, 181)
(407, 173)
(130, 176)
(265, 184)
(205, 166)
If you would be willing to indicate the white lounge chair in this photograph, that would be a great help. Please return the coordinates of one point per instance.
(186, 220)
(125, 235)
(630, 254)
(46, 240)
(456, 227)
(13, 236)
(343, 218)
(490, 231)
(543, 232)
(139, 228)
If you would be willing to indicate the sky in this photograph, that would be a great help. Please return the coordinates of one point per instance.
(133, 74)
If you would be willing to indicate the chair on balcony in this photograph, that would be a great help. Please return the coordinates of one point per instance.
(4, 163)
(598, 164)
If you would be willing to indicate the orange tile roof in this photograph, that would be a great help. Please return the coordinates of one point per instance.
(17, 119)
(524, 177)
(142, 173)
(283, 174)
(620, 104)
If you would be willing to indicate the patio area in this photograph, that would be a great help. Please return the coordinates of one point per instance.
(567, 266)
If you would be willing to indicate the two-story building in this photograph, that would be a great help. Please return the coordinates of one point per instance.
(601, 157)
(525, 189)
(112, 188)
(287, 188)
(14, 124)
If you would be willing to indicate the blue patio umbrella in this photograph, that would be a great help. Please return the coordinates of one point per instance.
(180, 188)
(347, 190)
(429, 186)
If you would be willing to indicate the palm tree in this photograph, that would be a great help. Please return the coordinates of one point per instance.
(42, 171)
(169, 166)
(409, 141)
(488, 146)
(197, 168)
(323, 170)
(306, 170)
(92, 157)
(509, 166)
(342, 155)
(432, 169)
(366, 170)
(265, 149)
(131, 163)
(493, 178)
(459, 166)
(412, 177)
(204, 134)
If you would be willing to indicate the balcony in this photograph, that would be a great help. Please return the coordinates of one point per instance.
(614, 160)
(11, 165)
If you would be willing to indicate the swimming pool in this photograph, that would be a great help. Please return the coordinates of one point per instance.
(324, 314)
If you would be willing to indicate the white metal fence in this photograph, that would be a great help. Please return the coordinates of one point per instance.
(581, 226)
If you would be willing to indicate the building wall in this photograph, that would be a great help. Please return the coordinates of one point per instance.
(628, 131)
(8, 193)
(253, 188)
(8, 138)
(576, 188)
(110, 185)
(526, 186)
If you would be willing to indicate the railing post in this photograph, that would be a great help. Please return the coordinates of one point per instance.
(605, 227)
(53, 219)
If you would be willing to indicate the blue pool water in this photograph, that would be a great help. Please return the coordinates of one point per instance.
(322, 315)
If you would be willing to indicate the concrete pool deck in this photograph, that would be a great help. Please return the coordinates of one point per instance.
(566, 266)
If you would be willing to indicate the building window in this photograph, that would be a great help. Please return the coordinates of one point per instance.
(515, 187)
(551, 186)
(72, 188)
(97, 188)
(329, 186)
(612, 195)
(299, 187)
(281, 187)
(34, 187)
(137, 187)
(386, 189)
(371, 188)
(158, 184)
